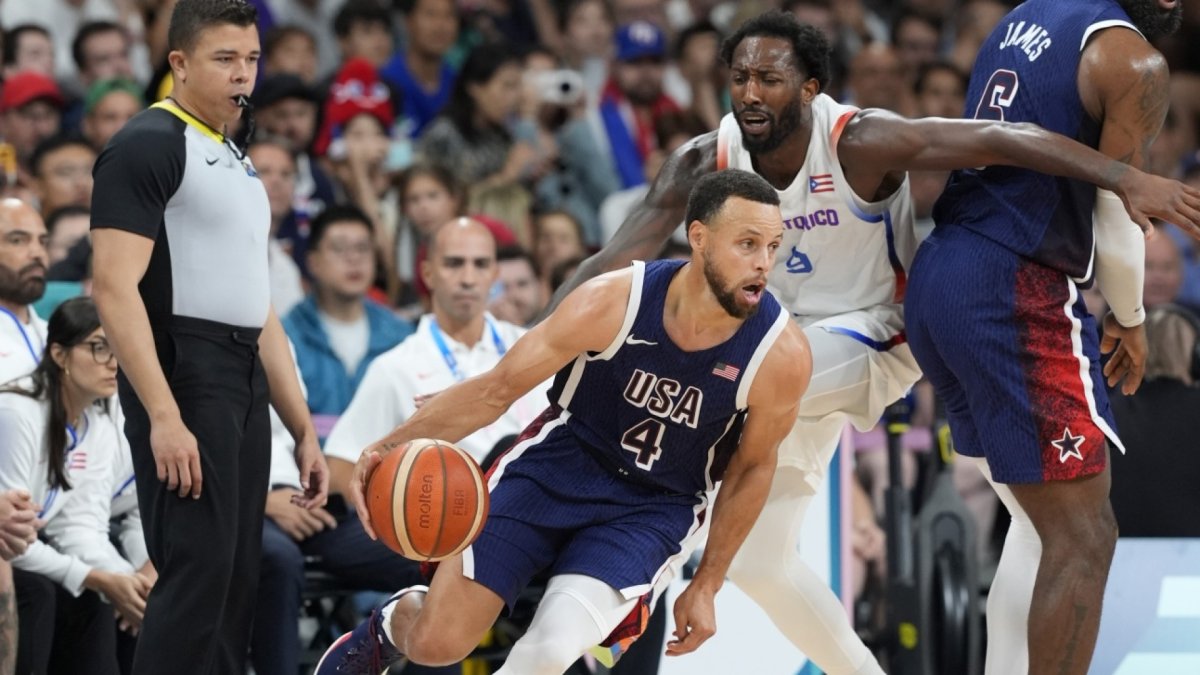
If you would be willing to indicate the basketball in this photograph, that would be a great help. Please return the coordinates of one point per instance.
(428, 500)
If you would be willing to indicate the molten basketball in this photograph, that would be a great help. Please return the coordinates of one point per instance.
(428, 500)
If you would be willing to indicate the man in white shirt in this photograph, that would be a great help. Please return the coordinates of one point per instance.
(456, 341)
(23, 263)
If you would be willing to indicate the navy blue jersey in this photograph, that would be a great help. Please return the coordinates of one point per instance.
(655, 413)
(1026, 72)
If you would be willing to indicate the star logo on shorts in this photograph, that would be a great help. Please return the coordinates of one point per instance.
(1068, 446)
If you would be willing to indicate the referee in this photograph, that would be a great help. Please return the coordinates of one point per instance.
(180, 224)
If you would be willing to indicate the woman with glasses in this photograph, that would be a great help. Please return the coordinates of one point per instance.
(59, 433)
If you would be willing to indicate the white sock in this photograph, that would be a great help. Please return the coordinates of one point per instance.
(1011, 594)
(768, 568)
(385, 613)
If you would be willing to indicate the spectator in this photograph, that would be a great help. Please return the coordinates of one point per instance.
(28, 47)
(973, 22)
(1159, 427)
(557, 237)
(276, 167)
(364, 31)
(314, 18)
(66, 226)
(290, 50)
(554, 102)
(917, 40)
(1190, 293)
(475, 135)
(521, 295)
(633, 101)
(456, 341)
(336, 331)
(697, 52)
(108, 105)
(62, 172)
(286, 107)
(66, 625)
(100, 51)
(941, 90)
(30, 112)
(876, 80)
(1164, 271)
(430, 196)
(63, 19)
(654, 12)
(421, 71)
(23, 263)
(587, 44)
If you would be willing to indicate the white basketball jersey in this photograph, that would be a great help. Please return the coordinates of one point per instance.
(840, 253)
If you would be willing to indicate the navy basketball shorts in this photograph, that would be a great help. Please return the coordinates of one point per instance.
(554, 507)
(1013, 354)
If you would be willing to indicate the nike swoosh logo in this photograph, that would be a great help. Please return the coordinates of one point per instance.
(634, 341)
(210, 162)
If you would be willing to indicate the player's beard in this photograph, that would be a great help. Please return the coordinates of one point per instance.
(18, 290)
(781, 127)
(725, 295)
(1153, 21)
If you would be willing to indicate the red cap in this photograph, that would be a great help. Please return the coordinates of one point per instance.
(26, 87)
(356, 90)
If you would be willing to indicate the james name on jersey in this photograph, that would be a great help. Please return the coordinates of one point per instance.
(1031, 39)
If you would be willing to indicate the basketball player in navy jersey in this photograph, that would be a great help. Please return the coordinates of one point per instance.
(847, 246)
(996, 320)
(671, 376)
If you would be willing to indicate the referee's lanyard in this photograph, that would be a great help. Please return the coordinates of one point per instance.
(75, 441)
(21, 327)
(448, 356)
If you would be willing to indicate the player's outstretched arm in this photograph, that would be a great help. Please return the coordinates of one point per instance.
(652, 221)
(773, 402)
(587, 321)
(876, 144)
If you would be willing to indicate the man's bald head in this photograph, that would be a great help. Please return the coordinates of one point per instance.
(23, 257)
(457, 229)
(460, 270)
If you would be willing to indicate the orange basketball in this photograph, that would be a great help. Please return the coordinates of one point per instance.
(428, 500)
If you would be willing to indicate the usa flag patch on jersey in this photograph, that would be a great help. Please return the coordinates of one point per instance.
(726, 371)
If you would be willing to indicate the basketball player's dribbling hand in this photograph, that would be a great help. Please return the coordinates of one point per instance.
(366, 463)
(1128, 348)
(695, 620)
(176, 457)
(1148, 196)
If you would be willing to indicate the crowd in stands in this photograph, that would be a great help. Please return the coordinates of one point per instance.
(435, 170)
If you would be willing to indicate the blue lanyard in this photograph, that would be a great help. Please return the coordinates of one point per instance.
(28, 343)
(448, 356)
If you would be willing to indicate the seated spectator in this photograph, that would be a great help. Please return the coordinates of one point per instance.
(876, 80)
(940, 90)
(290, 50)
(430, 196)
(364, 31)
(587, 42)
(334, 537)
(917, 39)
(276, 167)
(100, 51)
(355, 141)
(633, 101)
(421, 71)
(456, 341)
(472, 135)
(697, 50)
(107, 107)
(62, 173)
(23, 263)
(336, 330)
(66, 226)
(66, 625)
(521, 295)
(30, 112)
(557, 237)
(1154, 482)
(1164, 271)
(27, 46)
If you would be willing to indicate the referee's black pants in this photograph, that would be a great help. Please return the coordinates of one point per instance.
(206, 551)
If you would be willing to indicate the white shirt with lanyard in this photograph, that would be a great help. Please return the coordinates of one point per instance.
(21, 344)
(429, 361)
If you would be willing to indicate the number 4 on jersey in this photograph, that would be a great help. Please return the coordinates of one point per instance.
(998, 95)
(644, 439)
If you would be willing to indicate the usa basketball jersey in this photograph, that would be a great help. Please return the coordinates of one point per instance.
(1026, 72)
(655, 413)
(840, 253)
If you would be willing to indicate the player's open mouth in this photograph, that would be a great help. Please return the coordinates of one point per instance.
(752, 293)
(754, 122)
(1167, 5)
